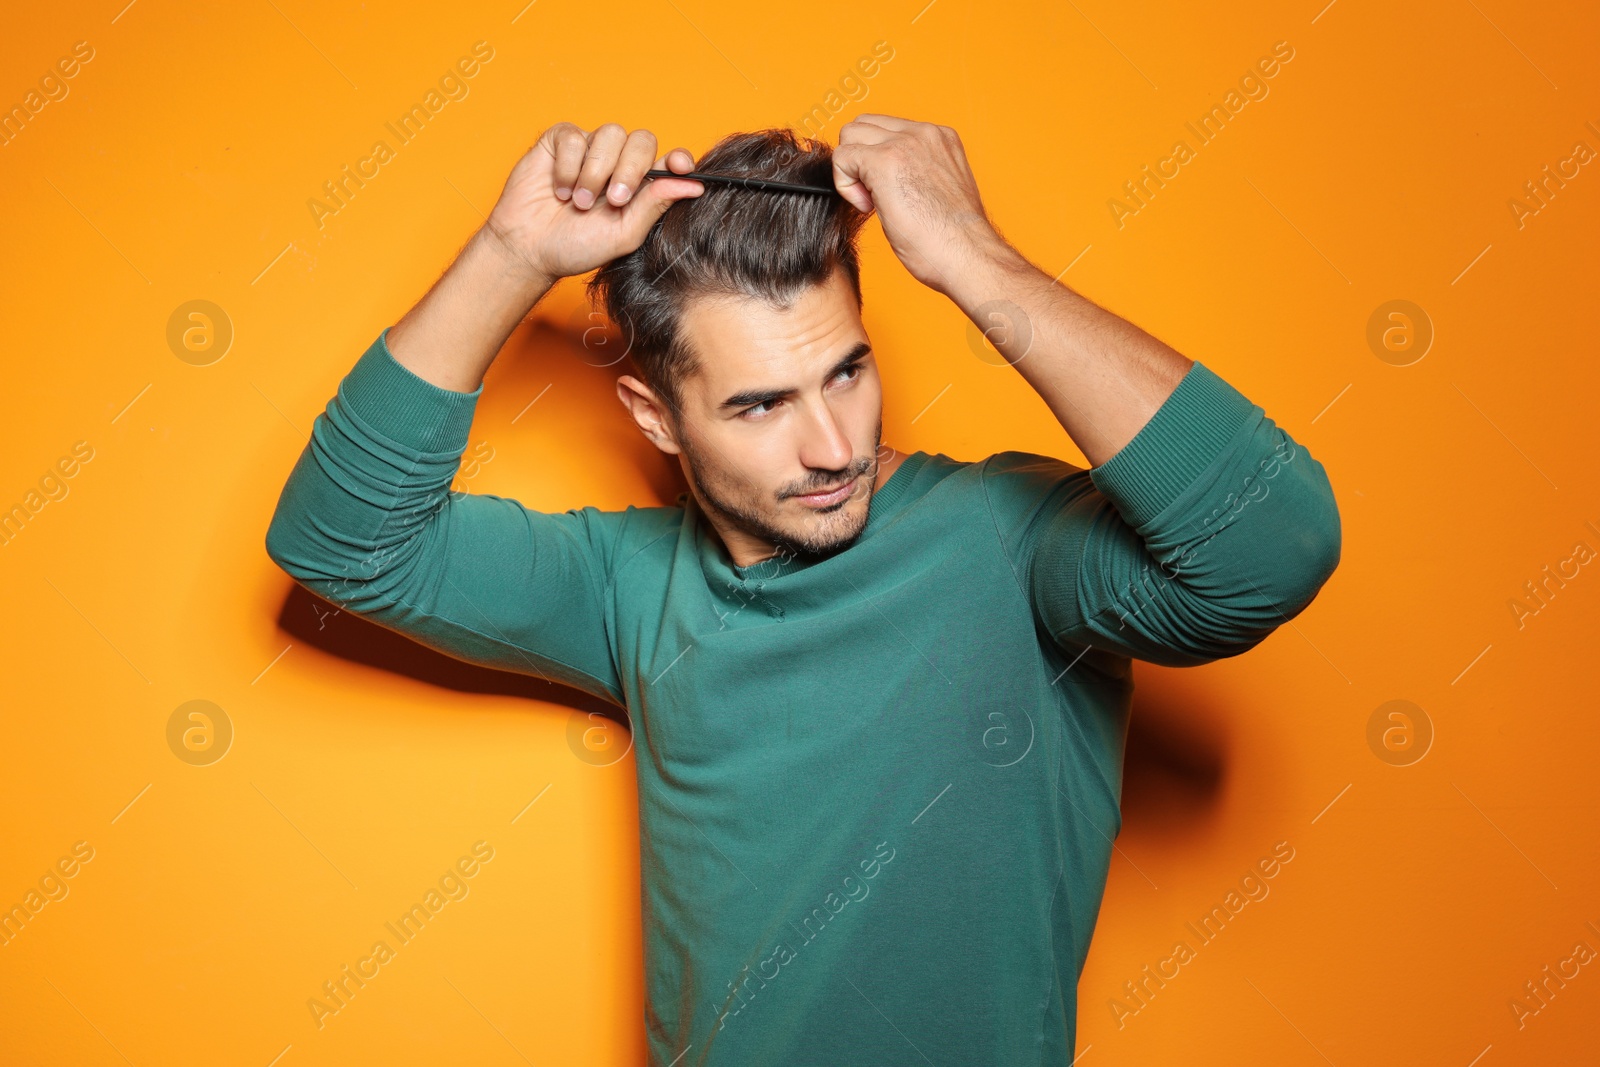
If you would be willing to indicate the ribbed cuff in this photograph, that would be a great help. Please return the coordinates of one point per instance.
(1184, 437)
(405, 408)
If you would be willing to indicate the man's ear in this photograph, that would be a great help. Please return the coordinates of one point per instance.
(648, 413)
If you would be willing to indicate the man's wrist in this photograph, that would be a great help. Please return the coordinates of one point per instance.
(510, 265)
(454, 332)
(986, 269)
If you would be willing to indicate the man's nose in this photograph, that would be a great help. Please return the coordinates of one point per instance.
(826, 446)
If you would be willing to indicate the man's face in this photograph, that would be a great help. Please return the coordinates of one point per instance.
(787, 405)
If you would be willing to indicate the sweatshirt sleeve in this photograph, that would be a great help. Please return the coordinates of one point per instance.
(1206, 532)
(367, 520)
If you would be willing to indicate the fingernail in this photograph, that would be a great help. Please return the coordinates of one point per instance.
(583, 198)
(619, 193)
(563, 192)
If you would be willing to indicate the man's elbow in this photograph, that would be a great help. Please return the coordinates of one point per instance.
(281, 551)
(362, 580)
(1253, 615)
(291, 550)
(1322, 547)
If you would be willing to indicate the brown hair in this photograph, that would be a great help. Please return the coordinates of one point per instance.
(729, 240)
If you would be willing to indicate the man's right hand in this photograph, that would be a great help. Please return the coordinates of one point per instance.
(578, 198)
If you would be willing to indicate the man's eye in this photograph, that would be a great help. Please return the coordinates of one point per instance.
(756, 410)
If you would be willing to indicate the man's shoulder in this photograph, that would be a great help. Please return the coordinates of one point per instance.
(620, 534)
(1012, 473)
(1015, 487)
(1019, 464)
(1009, 460)
(633, 522)
(1007, 490)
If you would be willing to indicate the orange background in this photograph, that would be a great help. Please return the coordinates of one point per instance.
(219, 898)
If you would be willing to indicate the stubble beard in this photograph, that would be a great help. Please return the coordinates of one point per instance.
(741, 508)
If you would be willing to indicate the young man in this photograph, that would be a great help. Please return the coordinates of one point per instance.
(880, 698)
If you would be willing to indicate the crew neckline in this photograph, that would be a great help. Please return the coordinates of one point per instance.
(895, 488)
(883, 501)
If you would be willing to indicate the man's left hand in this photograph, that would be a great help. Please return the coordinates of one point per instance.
(915, 175)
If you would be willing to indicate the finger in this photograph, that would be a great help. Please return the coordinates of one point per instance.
(888, 122)
(658, 194)
(549, 139)
(604, 145)
(849, 161)
(637, 152)
(682, 162)
(568, 143)
(858, 132)
(665, 191)
(679, 159)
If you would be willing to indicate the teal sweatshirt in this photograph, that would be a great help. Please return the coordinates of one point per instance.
(877, 791)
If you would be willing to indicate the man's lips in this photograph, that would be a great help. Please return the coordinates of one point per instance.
(825, 498)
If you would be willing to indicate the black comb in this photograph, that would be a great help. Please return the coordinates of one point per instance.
(766, 184)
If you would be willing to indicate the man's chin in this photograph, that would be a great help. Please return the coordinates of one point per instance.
(837, 529)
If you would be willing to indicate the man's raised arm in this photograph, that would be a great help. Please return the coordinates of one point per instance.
(569, 205)
(367, 519)
(1201, 527)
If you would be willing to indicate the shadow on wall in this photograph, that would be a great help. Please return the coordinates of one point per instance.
(1173, 770)
(571, 363)
(1175, 762)
(310, 620)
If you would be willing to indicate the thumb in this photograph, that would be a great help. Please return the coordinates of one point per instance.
(849, 179)
(652, 201)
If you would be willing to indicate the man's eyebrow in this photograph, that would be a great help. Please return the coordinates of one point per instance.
(752, 397)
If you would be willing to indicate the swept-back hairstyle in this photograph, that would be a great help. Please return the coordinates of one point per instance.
(729, 240)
